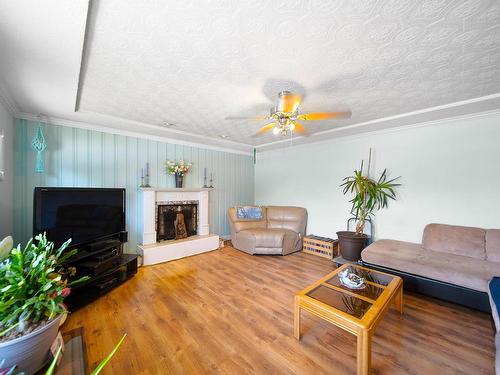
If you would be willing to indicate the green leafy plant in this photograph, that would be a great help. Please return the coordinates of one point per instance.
(369, 194)
(99, 367)
(34, 283)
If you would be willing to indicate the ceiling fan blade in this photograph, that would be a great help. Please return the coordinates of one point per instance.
(300, 129)
(324, 115)
(247, 118)
(265, 129)
(289, 102)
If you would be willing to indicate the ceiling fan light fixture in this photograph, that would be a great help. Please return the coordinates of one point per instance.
(286, 112)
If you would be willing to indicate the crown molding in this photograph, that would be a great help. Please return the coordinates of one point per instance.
(332, 132)
(136, 134)
(390, 130)
(109, 119)
(104, 124)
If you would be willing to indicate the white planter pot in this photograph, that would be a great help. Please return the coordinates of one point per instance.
(30, 352)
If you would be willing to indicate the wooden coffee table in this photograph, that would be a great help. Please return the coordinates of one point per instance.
(356, 311)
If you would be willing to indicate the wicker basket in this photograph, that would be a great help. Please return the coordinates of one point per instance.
(321, 246)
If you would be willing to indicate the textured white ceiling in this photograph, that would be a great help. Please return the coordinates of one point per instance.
(192, 63)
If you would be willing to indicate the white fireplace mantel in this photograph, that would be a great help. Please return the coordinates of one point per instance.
(177, 189)
(156, 252)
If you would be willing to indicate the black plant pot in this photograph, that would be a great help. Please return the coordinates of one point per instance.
(179, 180)
(351, 245)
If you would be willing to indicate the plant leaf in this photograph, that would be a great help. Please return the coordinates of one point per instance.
(101, 365)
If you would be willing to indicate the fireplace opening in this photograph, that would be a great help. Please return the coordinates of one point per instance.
(176, 220)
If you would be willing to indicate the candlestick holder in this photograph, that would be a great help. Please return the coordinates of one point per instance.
(211, 181)
(142, 182)
(205, 186)
(146, 180)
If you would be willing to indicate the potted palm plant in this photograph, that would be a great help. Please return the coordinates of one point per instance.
(33, 285)
(369, 196)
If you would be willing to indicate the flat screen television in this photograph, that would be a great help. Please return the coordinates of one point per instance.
(85, 215)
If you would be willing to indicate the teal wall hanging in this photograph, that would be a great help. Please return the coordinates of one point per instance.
(39, 145)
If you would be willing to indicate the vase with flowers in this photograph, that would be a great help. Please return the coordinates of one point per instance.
(179, 169)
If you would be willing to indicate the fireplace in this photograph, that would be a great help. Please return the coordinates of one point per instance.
(176, 220)
(160, 207)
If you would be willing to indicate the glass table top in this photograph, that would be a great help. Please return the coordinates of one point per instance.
(355, 302)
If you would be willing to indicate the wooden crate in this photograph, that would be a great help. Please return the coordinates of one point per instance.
(321, 246)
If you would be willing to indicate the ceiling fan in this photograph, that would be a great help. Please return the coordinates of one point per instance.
(286, 113)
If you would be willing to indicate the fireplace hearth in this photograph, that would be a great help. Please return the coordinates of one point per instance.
(176, 220)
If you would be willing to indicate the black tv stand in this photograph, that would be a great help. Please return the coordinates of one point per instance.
(106, 266)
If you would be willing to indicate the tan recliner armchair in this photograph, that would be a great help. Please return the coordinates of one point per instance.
(280, 231)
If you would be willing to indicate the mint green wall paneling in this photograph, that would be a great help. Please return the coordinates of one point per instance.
(142, 155)
(33, 179)
(77, 157)
(132, 181)
(170, 156)
(222, 164)
(214, 193)
(20, 156)
(193, 177)
(120, 165)
(161, 158)
(82, 157)
(195, 173)
(67, 157)
(95, 148)
(108, 155)
(152, 156)
(178, 151)
(52, 160)
(186, 156)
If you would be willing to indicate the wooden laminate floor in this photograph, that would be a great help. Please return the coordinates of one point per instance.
(226, 312)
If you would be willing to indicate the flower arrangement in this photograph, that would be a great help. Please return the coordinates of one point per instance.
(33, 284)
(179, 168)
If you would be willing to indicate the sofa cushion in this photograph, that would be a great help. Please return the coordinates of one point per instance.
(414, 259)
(493, 245)
(285, 217)
(453, 239)
(268, 238)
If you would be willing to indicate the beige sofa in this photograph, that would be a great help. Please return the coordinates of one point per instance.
(453, 263)
(464, 256)
(279, 232)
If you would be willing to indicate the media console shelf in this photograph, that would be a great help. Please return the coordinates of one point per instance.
(96, 286)
(94, 219)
